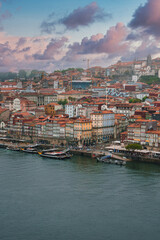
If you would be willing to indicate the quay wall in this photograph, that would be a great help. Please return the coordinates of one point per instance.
(93, 153)
(146, 159)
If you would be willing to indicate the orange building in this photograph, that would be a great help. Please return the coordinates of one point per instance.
(51, 108)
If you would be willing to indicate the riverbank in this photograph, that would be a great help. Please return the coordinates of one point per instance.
(117, 152)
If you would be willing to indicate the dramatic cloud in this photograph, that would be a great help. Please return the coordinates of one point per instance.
(100, 49)
(25, 49)
(82, 16)
(53, 48)
(17, 52)
(48, 53)
(112, 42)
(6, 55)
(21, 42)
(142, 48)
(147, 17)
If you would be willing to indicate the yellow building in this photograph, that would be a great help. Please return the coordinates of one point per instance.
(83, 130)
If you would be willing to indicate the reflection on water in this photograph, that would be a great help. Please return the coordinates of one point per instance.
(84, 163)
(144, 167)
(78, 199)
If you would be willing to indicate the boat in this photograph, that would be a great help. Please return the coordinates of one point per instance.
(29, 150)
(108, 159)
(2, 145)
(105, 158)
(53, 150)
(13, 148)
(55, 155)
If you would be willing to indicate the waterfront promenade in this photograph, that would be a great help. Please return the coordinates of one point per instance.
(96, 152)
(116, 152)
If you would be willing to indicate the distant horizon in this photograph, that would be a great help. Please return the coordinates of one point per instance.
(40, 70)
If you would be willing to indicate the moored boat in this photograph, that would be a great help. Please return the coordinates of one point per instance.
(55, 155)
(13, 148)
(29, 150)
(2, 145)
(108, 159)
(105, 158)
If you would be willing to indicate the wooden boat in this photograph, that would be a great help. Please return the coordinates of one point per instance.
(55, 155)
(108, 159)
(29, 150)
(13, 148)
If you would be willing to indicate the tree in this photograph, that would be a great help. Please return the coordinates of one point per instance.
(71, 98)
(134, 100)
(80, 69)
(144, 98)
(7, 75)
(63, 102)
(33, 73)
(22, 74)
(134, 146)
(150, 79)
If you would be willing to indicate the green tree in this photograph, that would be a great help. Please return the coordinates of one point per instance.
(7, 75)
(144, 98)
(80, 69)
(33, 73)
(71, 98)
(150, 79)
(134, 100)
(134, 146)
(22, 74)
(63, 102)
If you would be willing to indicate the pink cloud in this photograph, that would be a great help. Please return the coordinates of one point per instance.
(97, 37)
(112, 41)
(46, 53)
(28, 53)
(53, 48)
(147, 17)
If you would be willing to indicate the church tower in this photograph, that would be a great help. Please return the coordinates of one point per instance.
(149, 60)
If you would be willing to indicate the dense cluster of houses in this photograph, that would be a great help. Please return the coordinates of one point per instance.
(51, 108)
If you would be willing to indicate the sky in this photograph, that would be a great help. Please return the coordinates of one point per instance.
(54, 35)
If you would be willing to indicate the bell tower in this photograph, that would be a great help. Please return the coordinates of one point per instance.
(149, 60)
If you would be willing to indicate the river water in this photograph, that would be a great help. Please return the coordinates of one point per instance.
(77, 199)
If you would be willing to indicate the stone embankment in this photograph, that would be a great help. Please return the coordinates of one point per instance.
(120, 154)
(96, 153)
